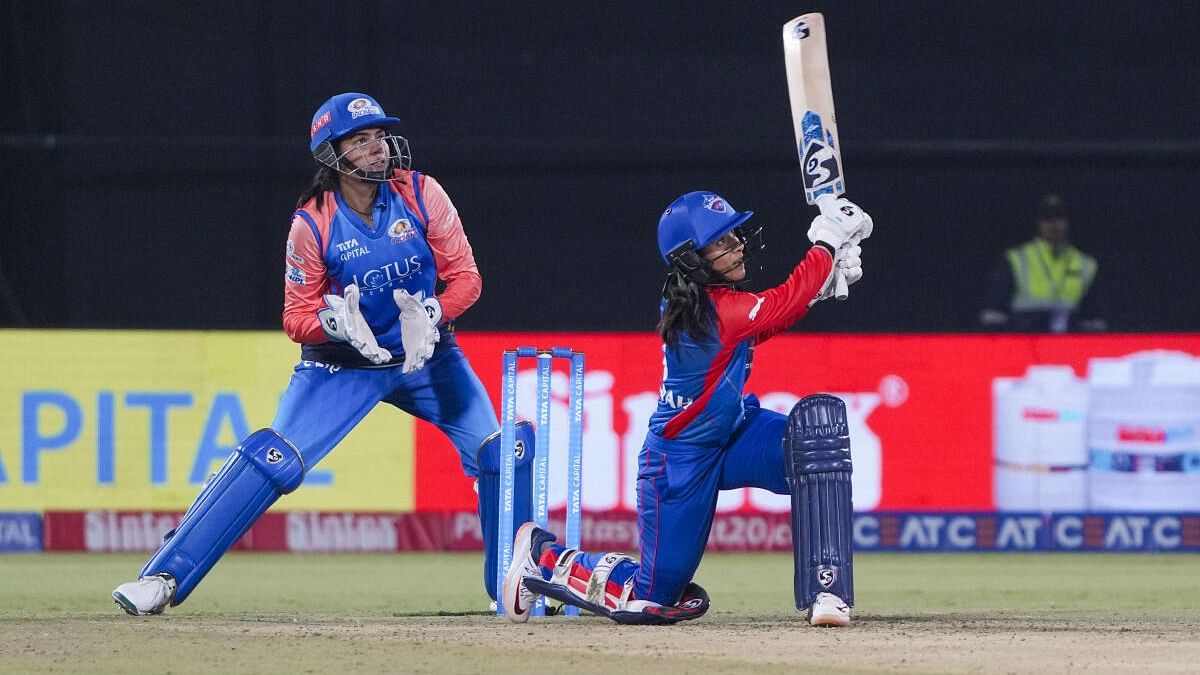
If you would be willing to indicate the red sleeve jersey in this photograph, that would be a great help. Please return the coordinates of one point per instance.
(700, 400)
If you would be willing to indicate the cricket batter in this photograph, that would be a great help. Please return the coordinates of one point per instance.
(707, 435)
(369, 240)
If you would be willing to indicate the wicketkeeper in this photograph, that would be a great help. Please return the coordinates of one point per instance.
(708, 435)
(369, 240)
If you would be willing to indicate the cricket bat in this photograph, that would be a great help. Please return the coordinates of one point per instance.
(810, 91)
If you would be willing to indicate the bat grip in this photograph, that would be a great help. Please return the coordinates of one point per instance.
(840, 289)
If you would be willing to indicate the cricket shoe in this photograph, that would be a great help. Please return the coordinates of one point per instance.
(148, 595)
(527, 546)
(828, 610)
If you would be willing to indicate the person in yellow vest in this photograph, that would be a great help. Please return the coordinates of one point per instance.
(1042, 285)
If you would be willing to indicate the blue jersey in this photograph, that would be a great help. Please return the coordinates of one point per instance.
(416, 240)
(704, 380)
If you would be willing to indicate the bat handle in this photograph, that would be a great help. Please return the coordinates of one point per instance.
(840, 289)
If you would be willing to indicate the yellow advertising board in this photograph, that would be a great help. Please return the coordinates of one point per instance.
(138, 419)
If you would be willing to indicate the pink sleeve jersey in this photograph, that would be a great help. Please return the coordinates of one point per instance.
(700, 399)
(418, 239)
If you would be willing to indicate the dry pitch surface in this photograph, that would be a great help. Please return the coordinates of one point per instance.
(956, 613)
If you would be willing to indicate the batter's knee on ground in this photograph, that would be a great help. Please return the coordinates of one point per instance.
(262, 467)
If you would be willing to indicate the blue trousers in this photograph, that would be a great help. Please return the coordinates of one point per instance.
(323, 403)
(677, 496)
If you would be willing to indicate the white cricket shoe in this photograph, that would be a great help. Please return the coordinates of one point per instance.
(148, 595)
(518, 600)
(828, 610)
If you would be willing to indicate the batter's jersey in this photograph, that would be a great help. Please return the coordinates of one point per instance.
(700, 400)
(417, 239)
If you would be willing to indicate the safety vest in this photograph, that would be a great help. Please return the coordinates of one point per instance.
(1043, 282)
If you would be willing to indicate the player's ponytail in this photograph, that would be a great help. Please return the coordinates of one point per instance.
(688, 310)
(323, 181)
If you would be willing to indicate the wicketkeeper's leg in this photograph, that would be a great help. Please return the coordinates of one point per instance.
(261, 468)
(488, 486)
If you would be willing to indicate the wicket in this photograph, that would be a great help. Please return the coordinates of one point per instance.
(541, 461)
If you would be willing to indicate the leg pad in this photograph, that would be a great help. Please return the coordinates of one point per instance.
(261, 468)
(488, 460)
(817, 450)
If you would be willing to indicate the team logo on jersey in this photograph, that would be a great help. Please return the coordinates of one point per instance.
(715, 203)
(401, 231)
(296, 275)
(362, 106)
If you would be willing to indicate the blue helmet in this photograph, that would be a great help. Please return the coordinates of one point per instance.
(694, 221)
(700, 218)
(344, 114)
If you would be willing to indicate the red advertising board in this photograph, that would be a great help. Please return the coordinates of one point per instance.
(921, 408)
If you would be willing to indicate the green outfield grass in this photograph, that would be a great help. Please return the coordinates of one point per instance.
(427, 613)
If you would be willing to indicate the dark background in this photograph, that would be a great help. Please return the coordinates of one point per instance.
(151, 153)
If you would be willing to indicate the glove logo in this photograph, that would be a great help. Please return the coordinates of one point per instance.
(519, 450)
(332, 324)
(274, 456)
(826, 576)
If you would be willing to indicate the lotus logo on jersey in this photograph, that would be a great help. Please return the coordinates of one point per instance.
(826, 577)
(274, 456)
(715, 203)
(362, 106)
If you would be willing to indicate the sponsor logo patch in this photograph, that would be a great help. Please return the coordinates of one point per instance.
(320, 122)
(291, 253)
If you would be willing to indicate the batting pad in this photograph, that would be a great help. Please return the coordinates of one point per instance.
(488, 461)
(261, 468)
(817, 450)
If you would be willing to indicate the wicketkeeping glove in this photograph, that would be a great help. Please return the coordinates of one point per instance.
(418, 328)
(342, 321)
